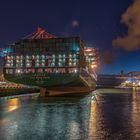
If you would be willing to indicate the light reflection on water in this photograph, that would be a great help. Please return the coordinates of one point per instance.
(53, 118)
(109, 117)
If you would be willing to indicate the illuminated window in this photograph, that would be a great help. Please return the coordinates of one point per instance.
(74, 64)
(74, 55)
(37, 60)
(52, 64)
(62, 70)
(27, 57)
(43, 64)
(43, 60)
(55, 71)
(59, 64)
(7, 71)
(18, 71)
(37, 56)
(43, 57)
(28, 65)
(17, 57)
(21, 57)
(10, 71)
(70, 64)
(48, 70)
(53, 60)
(70, 55)
(31, 70)
(37, 64)
(53, 56)
(64, 55)
(40, 70)
(33, 57)
(59, 56)
(7, 65)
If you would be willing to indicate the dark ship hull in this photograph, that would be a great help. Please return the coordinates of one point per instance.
(57, 84)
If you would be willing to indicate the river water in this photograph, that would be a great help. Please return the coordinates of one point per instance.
(106, 116)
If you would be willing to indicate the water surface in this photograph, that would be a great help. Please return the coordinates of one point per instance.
(111, 116)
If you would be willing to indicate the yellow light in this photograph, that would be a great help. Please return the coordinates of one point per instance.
(91, 54)
(93, 66)
(88, 50)
(13, 104)
(127, 82)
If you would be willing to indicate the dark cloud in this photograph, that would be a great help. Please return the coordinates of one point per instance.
(108, 57)
(131, 18)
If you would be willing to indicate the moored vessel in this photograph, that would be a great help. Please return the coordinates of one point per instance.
(59, 65)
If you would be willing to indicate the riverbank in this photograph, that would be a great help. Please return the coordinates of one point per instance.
(115, 90)
(11, 92)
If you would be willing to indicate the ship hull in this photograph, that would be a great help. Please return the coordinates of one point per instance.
(69, 91)
(57, 84)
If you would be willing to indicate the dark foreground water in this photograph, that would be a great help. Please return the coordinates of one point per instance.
(111, 116)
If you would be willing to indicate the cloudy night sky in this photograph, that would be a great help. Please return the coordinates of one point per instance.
(111, 25)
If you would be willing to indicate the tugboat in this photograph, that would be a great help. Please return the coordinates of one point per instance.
(58, 65)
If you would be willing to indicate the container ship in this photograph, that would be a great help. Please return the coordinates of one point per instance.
(58, 65)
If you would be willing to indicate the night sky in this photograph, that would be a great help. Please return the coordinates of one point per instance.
(106, 24)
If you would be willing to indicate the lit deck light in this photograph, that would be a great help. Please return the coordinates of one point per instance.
(88, 50)
(91, 54)
(33, 57)
(27, 56)
(93, 66)
(18, 71)
(37, 56)
(75, 70)
(43, 56)
(127, 82)
(74, 55)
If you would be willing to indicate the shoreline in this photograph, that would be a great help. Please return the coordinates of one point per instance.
(14, 92)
